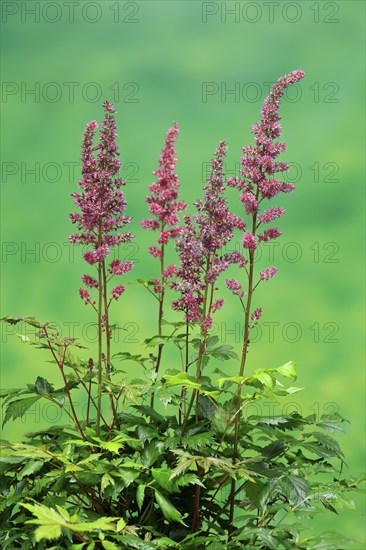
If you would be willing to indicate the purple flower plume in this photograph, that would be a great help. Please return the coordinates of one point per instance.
(163, 203)
(200, 245)
(260, 179)
(101, 202)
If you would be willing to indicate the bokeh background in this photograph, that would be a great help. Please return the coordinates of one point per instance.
(160, 61)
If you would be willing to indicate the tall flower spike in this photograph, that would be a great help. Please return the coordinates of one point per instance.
(101, 202)
(201, 244)
(259, 166)
(163, 203)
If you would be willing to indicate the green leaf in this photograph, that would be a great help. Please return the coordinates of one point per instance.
(222, 353)
(151, 452)
(265, 377)
(30, 468)
(140, 496)
(43, 387)
(328, 442)
(329, 540)
(106, 481)
(17, 409)
(331, 422)
(156, 340)
(170, 512)
(121, 524)
(288, 370)
(162, 477)
(109, 545)
(233, 379)
(181, 379)
(47, 532)
(294, 488)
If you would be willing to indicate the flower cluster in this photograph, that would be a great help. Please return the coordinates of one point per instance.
(163, 203)
(258, 182)
(259, 164)
(201, 242)
(101, 202)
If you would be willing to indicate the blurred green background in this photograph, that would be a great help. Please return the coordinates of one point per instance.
(163, 61)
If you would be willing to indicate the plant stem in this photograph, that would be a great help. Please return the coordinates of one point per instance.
(60, 363)
(242, 366)
(200, 353)
(100, 345)
(160, 318)
(108, 346)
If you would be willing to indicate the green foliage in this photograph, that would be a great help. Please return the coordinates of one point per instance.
(135, 484)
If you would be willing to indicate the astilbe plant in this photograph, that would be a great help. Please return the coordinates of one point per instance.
(172, 459)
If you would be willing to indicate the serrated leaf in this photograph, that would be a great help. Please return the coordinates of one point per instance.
(121, 524)
(328, 442)
(265, 377)
(43, 387)
(294, 488)
(17, 409)
(233, 379)
(169, 511)
(181, 379)
(288, 370)
(329, 540)
(30, 468)
(151, 452)
(106, 481)
(140, 496)
(222, 353)
(47, 532)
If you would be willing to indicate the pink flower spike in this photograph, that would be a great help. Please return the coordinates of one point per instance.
(117, 291)
(84, 295)
(269, 235)
(235, 287)
(207, 324)
(271, 214)
(249, 241)
(217, 305)
(90, 281)
(155, 252)
(256, 315)
(268, 273)
(249, 201)
(117, 267)
(169, 271)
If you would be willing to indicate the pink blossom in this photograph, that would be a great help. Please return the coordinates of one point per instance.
(169, 271)
(268, 273)
(158, 286)
(163, 201)
(249, 201)
(117, 267)
(117, 291)
(217, 305)
(257, 314)
(150, 224)
(269, 235)
(155, 252)
(207, 324)
(101, 202)
(84, 295)
(249, 241)
(235, 287)
(90, 281)
(271, 214)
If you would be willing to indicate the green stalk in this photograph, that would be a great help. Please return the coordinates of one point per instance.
(241, 370)
(160, 320)
(108, 346)
(100, 341)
